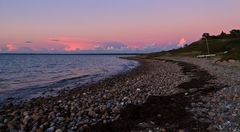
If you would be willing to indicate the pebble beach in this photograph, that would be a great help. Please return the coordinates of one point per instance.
(220, 108)
(179, 94)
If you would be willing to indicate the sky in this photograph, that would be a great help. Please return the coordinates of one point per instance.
(111, 25)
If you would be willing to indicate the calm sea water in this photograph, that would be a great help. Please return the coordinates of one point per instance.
(29, 76)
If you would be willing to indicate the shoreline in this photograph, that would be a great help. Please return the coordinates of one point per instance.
(27, 92)
(167, 113)
(221, 108)
(113, 103)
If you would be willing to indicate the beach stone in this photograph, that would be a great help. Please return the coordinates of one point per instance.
(234, 114)
(159, 115)
(193, 90)
(104, 96)
(109, 104)
(181, 130)
(181, 90)
(70, 130)
(231, 61)
(26, 119)
(91, 113)
(144, 125)
(5, 121)
(60, 119)
(35, 117)
(34, 129)
(25, 113)
(58, 130)
(150, 130)
(104, 121)
(103, 108)
(13, 130)
(1, 118)
(50, 129)
(81, 129)
(11, 127)
(1, 125)
(52, 124)
(162, 130)
(116, 110)
(51, 115)
(122, 103)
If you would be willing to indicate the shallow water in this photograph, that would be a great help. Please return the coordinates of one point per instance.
(29, 76)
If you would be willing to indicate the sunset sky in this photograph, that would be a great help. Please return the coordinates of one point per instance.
(111, 25)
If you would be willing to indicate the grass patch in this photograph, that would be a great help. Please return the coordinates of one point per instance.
(227, 48)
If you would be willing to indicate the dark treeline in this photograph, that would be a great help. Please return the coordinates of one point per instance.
(233, 34)
(225, 46)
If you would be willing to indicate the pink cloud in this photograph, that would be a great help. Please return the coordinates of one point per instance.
(182, 42)
(73, 44)
(8, 48)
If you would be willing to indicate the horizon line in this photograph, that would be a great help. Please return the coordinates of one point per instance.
(72, 53)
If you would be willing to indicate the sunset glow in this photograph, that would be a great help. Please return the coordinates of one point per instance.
(69, 26)
(182, 42)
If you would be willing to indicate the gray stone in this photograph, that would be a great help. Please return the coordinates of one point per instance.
(58, 130)
(50, 129)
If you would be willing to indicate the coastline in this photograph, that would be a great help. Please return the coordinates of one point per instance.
(171, 112)
(221, 108)
(41, 80)
(157, 95)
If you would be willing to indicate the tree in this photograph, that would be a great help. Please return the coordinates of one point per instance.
(206, 35)
(222, 35)
(235, 33)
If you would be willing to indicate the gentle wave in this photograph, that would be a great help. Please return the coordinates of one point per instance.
(24, 77)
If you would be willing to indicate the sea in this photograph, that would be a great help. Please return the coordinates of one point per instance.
(27, 76)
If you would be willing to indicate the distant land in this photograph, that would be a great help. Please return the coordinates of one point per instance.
(225, 46)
